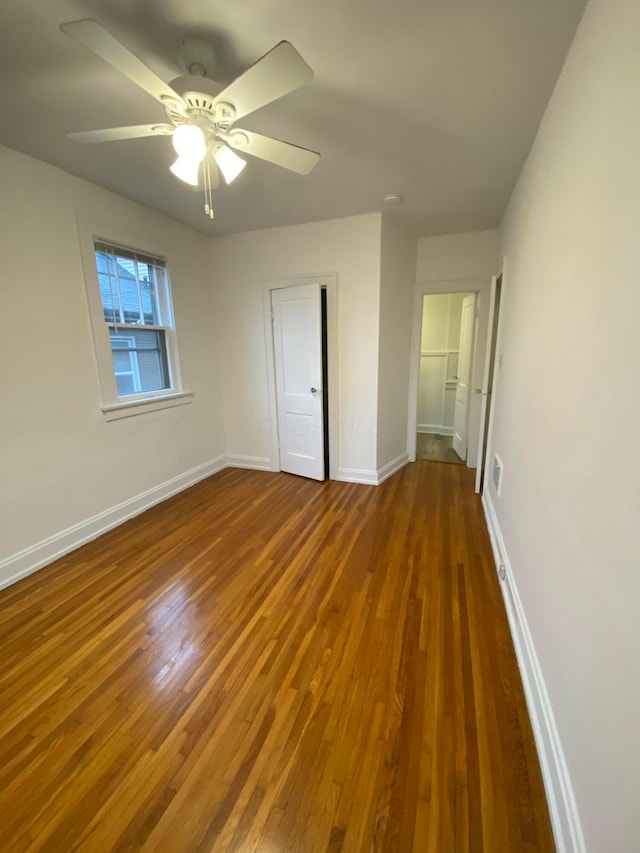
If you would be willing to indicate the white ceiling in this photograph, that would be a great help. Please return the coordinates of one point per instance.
(438, 100)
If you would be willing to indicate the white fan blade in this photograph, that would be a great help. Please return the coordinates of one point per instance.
(284, 154)
(94, 36)
(112, 134)
(278, 72)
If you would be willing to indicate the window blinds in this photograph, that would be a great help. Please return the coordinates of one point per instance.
(129, 254)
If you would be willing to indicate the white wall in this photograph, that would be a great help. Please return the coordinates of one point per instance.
(397, 276)
(567, 414)
(238, 265)
(60, 462)
(452, 257)
(448, 263)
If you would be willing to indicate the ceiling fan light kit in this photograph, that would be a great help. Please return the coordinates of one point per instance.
(191, 148)
(201, 123)
(186, 169)
(229, 163)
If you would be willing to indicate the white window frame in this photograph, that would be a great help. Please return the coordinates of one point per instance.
(114, 407)
(133, 361)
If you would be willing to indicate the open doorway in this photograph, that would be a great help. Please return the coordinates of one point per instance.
(444, 376)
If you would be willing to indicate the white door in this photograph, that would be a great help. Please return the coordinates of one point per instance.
(461, 412)
(297, 344)
(487, 381)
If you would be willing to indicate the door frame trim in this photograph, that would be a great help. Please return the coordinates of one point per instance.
(472, 363)
(477, 286)
(483, 451)
(328, 281)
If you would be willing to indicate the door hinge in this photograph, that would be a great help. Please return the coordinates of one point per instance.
(271, 314)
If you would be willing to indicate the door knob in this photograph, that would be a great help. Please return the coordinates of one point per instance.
(477, 390)
(313, 390)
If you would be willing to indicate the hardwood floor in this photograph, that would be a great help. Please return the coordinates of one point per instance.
(273, 664)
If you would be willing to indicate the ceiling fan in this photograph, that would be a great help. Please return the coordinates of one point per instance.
(201, 123)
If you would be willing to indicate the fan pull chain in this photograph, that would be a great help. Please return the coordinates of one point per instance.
(206, 185)
(208, 197)
(210, 193)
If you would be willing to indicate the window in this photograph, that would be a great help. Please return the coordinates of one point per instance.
(133, 327)
(134, 292)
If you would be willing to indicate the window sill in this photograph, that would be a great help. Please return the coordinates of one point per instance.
(138, 407)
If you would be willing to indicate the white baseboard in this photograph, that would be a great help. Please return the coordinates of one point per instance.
(565, 819)
(358, 475)
(19, 565)
(373, 478)
(29, 560)
(434, 429)
(256, 463)
(391, 467)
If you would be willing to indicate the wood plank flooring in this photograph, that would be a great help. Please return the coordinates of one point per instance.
(266, 663)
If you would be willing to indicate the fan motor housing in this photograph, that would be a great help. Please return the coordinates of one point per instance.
(203, 107)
